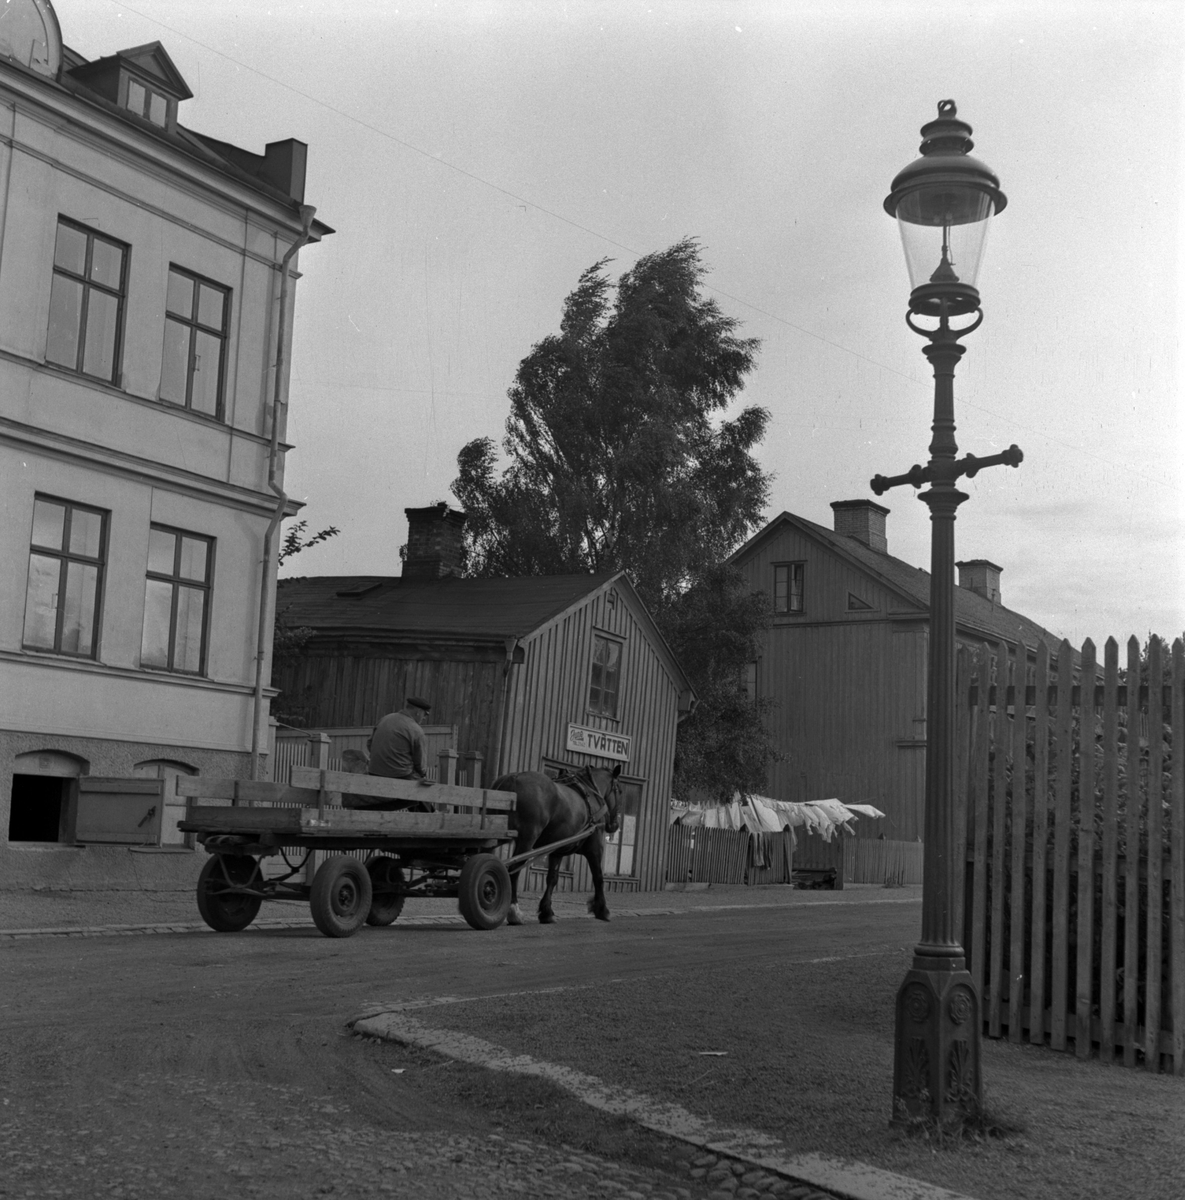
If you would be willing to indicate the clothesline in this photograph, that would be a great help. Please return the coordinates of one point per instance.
(761, 814)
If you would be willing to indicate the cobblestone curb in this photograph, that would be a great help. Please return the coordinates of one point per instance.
(742, 1163)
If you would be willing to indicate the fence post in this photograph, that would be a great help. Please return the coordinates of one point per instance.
(471, 764)
(319, 751)
(447, 772)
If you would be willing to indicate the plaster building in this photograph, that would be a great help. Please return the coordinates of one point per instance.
(846, 658)
(533, 673)
(146, 283)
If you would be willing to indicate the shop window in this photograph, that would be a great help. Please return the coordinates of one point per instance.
(621, 849)
(63, 599)
(86, 302)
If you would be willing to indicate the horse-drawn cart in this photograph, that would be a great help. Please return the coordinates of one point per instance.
(444, 846)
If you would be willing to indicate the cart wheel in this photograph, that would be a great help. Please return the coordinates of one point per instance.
(385, 904)
(340, 896)
(484, 892)
(221, 909)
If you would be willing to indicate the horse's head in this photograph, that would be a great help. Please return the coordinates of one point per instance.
(605, 782)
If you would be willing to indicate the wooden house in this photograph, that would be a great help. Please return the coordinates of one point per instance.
(846, 658)
(534, 673)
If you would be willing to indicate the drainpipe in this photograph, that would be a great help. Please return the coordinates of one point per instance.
(307, 211)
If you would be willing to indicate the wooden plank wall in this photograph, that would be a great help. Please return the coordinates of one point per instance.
(1074, 873)
(850, 688)
(549, 690)
(353, 686)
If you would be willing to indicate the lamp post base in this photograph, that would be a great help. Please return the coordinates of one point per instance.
(936, 1056)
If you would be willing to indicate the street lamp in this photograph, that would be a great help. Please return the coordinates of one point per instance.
(943, 202)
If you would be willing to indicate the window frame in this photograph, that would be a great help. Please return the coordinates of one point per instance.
(177, 581)
(88, 286)
(630, 807)
(150, 90)
(790, 610)
(67, 556)
(194, 326)
(600, 710)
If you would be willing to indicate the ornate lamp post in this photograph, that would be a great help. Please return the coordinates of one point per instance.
(942, 203)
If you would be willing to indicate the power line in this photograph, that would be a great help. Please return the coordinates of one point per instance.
(383, 133)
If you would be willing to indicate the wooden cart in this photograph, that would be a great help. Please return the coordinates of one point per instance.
(445, 849)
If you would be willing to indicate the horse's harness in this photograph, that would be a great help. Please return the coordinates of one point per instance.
(581, 782)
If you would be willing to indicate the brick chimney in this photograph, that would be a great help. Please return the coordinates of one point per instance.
(433, 542)
(863, 520)
(982, 577)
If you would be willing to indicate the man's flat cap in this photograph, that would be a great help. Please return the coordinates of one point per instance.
(419, 702)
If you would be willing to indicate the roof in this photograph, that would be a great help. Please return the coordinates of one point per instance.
(450, 607)
(974, 614)
(76, 77)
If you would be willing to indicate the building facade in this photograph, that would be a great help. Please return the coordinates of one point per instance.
(845, 659)
(146, 277)
(534, 673)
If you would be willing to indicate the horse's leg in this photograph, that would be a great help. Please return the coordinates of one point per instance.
(593, 851)
(546, 915)
(524, 842)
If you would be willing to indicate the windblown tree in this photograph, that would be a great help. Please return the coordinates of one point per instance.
(621, 456)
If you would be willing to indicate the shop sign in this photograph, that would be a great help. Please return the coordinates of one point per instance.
(597, 741)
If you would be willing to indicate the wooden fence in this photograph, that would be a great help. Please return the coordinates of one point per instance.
(696, 854)
(1073, 815)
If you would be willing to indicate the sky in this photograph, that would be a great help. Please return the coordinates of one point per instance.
(474, 158)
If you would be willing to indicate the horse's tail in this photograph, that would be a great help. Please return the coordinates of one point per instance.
(504, 783)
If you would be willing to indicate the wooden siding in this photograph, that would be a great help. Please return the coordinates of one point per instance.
(827, 581)
(850, 687)
(358, 688)
(550, 690)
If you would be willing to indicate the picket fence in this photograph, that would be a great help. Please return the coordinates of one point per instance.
(1073, 818)
(696, 854)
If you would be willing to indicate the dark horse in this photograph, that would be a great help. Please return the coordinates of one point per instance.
(549, 810)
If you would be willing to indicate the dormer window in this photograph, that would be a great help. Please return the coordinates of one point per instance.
(142, 80)
(144, 102)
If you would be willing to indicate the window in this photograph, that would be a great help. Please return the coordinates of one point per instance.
(619, 849)
(144, 102)
(749, 681)
(196, 312)
(606, 676)
(788, 591)
(86, 302)
(177, 600)
(66, 557)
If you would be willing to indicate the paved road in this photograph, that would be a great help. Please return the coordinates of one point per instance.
(191, 1065)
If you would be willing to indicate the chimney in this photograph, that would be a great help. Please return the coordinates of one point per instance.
(863, 520)
(982, 577)
(433, 542)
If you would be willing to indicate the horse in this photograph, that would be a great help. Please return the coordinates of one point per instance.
(549, 810)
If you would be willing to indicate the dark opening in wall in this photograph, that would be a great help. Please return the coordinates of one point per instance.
(37, 805)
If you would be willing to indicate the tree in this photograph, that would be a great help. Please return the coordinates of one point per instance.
(621, 457)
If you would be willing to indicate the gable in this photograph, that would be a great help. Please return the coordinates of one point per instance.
(835, 585)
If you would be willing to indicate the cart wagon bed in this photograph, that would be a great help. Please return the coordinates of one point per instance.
(447, 850)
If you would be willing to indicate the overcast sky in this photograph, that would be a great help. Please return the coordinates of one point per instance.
(476, 157)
